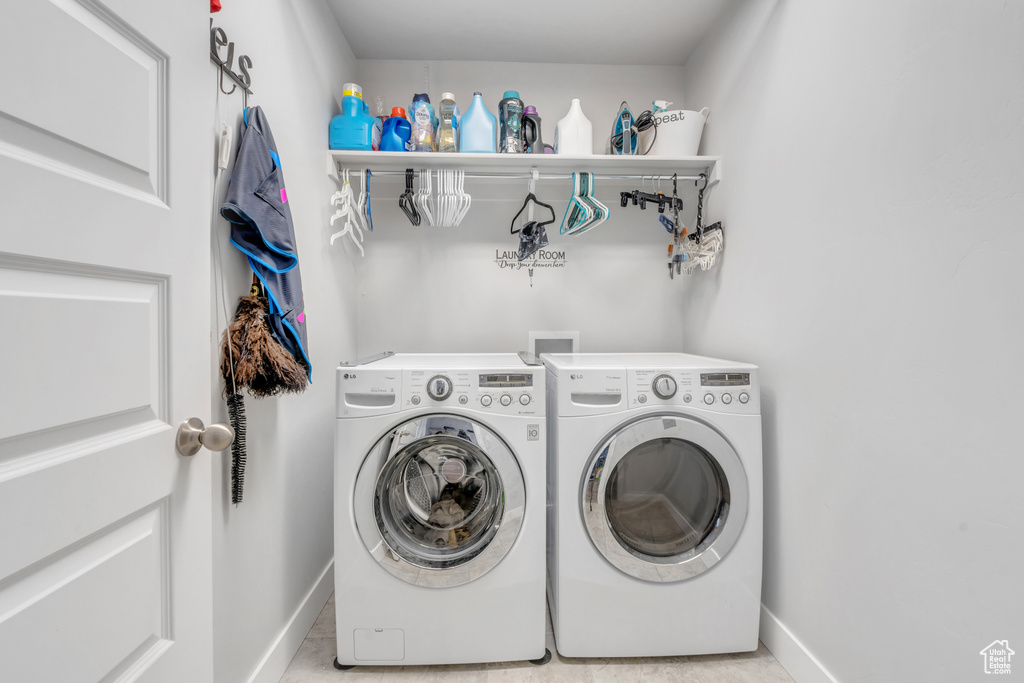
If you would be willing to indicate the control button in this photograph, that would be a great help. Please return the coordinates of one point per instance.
(664, 386)
(726, 399)
(642, 398)
(506, 400)
(524, 399)
(709, 398)
(687, 398)
(463, 399)
(744, 397)
(415, 400)
(486, 400)
(439, 387)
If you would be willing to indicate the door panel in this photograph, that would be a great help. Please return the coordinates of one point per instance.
(98, 96)
(105, 571)
(131, 624)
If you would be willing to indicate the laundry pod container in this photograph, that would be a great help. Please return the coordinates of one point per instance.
(679, 132)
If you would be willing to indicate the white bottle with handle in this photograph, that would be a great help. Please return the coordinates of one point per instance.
(574, 134)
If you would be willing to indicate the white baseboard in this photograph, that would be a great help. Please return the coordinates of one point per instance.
(274, 663)
(790, 652)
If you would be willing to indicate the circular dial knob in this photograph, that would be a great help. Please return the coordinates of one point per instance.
(664, 386)
(439, 387)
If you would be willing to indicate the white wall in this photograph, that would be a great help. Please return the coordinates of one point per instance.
(439, 289)
(271, 551)
(872, 197)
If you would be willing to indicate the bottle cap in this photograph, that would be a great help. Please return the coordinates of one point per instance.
(511, 93)
(421, 97)
(530, 111)
(398, 111)
(448, 96)
(352, 89)
(478, 94)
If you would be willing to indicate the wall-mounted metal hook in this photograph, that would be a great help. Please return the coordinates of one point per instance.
(243, 80)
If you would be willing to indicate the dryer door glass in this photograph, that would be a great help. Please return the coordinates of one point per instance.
(665, 497)
(439, 500)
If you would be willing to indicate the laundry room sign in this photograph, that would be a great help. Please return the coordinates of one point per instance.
(508, 259)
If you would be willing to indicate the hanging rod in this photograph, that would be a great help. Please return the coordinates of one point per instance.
(482, 175)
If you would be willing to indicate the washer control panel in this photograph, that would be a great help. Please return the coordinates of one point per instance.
(726, 391)
(519, 392)
(439, 387)
(370, 390)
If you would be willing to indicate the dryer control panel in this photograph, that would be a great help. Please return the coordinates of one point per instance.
(722, 391)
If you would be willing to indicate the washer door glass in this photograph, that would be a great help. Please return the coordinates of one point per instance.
(439, 500)
(664, 498)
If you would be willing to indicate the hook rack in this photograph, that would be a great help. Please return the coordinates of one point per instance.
(219, 39)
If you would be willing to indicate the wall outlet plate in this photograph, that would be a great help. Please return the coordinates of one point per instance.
(554, 342)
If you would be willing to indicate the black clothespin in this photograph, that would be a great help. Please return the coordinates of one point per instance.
(405, 201)
(699, 228)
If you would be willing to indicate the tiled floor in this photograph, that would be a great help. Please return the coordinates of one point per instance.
(314, 663)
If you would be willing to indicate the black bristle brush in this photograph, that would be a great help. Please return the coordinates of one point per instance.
(236, 415)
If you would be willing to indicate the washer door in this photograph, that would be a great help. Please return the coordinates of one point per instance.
(664, 498)
(439, 500)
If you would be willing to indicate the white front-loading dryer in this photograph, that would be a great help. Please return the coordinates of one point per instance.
(440, 510)
(655, 508)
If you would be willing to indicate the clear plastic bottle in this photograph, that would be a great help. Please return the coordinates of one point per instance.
(448, 124)
(421, 116)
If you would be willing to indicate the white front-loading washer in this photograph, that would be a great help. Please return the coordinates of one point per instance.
(440, 510)
(655, 508)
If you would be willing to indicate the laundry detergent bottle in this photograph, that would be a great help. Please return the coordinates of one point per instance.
(421, 116)
(447, 124)
(574, 134)
(533, 143)
(510, 123)
(397, 131)
(478, 127)
(354, 128)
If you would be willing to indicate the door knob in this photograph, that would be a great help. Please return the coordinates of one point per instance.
(192, 435)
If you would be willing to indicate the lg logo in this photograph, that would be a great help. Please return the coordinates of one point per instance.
(348, 376)
(575, 376)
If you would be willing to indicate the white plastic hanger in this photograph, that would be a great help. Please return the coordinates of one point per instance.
(349, 211)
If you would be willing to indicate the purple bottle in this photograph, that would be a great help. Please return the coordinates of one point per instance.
(532, 140)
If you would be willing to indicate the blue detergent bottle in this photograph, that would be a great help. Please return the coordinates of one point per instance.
(353, 128)
(397, 131)
(478, 128)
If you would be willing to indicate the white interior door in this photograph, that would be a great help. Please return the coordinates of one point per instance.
(104, 295)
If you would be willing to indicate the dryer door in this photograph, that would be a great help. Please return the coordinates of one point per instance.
(439, 500)
(664, 498)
